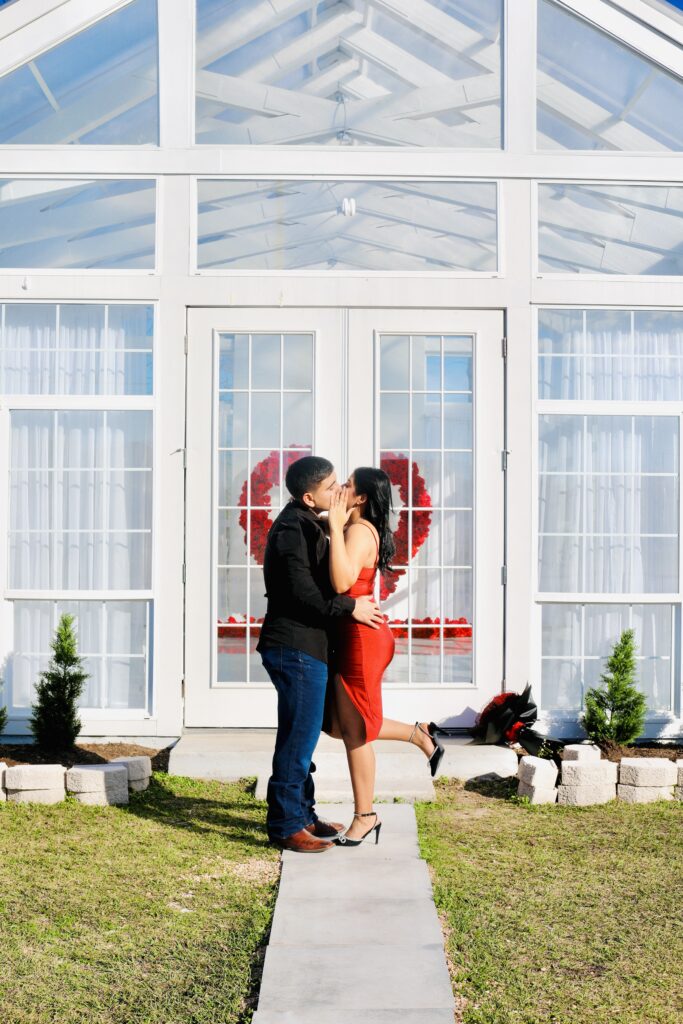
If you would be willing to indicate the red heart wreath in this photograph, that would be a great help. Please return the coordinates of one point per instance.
(264, 476)
(396, 468)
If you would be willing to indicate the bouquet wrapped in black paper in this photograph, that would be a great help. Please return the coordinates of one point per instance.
(509, 717)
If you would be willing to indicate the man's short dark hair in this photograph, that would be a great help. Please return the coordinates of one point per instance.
(306, 473)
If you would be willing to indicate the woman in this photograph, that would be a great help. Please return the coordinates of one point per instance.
(361, 542)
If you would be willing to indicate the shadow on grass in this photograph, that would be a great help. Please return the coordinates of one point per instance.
(493, 786)
(236, 819)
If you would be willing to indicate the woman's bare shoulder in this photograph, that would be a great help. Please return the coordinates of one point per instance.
(363, 528)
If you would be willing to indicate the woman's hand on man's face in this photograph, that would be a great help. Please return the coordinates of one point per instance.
(338, 515)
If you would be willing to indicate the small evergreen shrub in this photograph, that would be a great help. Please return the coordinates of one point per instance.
(54, 722)
(615, 712)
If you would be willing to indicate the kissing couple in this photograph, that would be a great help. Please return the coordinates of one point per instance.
(319, 577)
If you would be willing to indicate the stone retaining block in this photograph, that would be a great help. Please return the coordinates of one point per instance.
(35, 777)
(537, 794)
(98, 783)
(139, 767)
(537, 771)
(589, 752)
(584, 796)
(36, 796)
(3, 794)
(138, 785)
(678, 792)
(647, 771)
(589, 773)
(644, 794)
(679, 766)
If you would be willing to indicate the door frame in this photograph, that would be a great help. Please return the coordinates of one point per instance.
(352, 353)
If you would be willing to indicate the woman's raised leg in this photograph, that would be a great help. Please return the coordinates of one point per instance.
(393, 730)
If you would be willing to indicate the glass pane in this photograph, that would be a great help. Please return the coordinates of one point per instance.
(457, 363)
(298, 361)
(457, 430)
(426, 421)
(265, 361)
(426, 362)
(297, 419)
(394, 430)
(232, 477)
(561, 629)
(457, 595)
(394, 362)
(129, 436)
(95, 529)
(610, 229)
(99, 87)
(457, 469)
(352, 225)
(233, 361)
(594, 92)
(232, 537)
(126, 683)
(349, 75)
(77, 224)
(561, 685)
(629, 354)
(265, 419)
(233, 419)
(82, 358)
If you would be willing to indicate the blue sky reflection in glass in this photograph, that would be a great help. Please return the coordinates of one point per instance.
(594, 92)
(98, 87)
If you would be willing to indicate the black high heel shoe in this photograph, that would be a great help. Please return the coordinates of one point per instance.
(343, 841)
(434, 759)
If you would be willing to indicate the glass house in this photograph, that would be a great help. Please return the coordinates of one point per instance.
(440, 236)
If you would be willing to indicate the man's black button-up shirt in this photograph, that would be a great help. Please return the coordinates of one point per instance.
(301, 600)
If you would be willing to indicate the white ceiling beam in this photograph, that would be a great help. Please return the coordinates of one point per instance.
(44, 26)
(235, 31)
(93, 108)
(588, 116)
(301, 50)
(626, 30)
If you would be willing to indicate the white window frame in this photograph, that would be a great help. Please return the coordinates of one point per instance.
(665, 722)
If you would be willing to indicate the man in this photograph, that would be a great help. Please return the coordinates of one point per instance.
(293, 648)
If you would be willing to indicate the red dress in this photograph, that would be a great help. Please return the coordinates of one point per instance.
(361, 656)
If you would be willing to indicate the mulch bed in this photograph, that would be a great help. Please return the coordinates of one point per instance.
(86, 753)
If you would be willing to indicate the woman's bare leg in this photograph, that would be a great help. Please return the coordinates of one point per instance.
(393, 730)
(361, 758)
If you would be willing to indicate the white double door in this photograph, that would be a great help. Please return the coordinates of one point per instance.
(419, 392)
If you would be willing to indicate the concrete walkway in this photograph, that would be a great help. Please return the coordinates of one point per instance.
(356, 935)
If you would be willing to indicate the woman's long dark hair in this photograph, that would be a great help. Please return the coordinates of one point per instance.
(378, 508)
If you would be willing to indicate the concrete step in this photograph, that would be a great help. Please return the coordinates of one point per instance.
(230, 754)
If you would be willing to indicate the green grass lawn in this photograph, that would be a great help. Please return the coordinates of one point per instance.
(557, 914)
(152, 912)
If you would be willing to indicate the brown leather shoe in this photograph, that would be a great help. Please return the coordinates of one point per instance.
(303, 842)
(325, 829)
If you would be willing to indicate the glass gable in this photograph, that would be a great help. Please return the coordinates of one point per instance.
(72, 223)
(370, 72)
(98, 87)
(596, 93)
(327, 225)
(610, 229)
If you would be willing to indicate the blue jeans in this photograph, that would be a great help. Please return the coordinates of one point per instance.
(301, 683)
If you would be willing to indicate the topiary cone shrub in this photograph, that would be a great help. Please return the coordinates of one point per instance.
(54, 722)
(615, 712)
